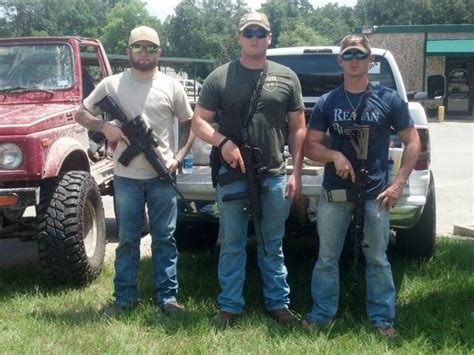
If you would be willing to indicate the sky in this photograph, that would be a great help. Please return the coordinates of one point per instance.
(164, 8)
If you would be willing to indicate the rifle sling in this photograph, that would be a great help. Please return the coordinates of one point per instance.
(256, 95)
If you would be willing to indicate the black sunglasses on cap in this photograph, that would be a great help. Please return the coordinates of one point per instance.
(149, 48)
(249, 33)
(349, 55)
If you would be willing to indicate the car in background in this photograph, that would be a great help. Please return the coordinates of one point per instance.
(192, 87)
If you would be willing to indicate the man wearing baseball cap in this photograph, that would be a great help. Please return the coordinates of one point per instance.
(159, 99)
(355, 42)
(352, 107)
(259, 123)
(254, 19)
(144, 33)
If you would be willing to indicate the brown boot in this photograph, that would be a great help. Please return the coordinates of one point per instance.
(223, 319)
(285, 317)
(172, 309)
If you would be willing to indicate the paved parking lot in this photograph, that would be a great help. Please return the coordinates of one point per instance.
(452, 162)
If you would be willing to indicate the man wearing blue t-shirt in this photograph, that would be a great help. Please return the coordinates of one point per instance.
(357, 102)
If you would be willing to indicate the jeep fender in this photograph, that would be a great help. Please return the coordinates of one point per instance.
(66, 154)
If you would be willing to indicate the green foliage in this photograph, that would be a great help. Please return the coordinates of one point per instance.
(415, 12)
(333, 22)
(120, 20)
(301, 35)
(285, 16)
(53, 17)
(204, 29)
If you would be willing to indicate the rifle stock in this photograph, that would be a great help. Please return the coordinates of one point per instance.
(142, 140)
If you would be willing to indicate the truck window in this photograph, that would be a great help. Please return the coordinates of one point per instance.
(44, 66)
(320, 73)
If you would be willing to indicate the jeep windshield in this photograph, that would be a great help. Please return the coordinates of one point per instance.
(43, 67)
(320, 73)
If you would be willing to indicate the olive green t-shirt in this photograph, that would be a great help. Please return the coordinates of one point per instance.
(228, 90)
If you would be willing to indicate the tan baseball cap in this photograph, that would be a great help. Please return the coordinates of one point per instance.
(254, 18)
(355, 41)
(143, 33)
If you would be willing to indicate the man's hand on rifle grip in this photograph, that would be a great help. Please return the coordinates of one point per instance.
(231, 154)
(343, 166)
(114, 133)
(173, 165)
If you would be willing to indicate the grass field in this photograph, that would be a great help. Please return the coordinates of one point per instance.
(435, 311)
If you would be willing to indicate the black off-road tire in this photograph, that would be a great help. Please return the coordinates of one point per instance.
(419, 241)
(71, 229)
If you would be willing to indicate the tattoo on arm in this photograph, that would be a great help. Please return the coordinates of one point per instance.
(84, 118)
(96, 125)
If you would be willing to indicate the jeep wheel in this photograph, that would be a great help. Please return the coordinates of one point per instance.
(71, 229)
(419, 241)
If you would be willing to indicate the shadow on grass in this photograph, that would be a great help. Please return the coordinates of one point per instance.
(27, 280)
(145, 314)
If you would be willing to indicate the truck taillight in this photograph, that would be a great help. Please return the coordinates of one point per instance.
(424, 159)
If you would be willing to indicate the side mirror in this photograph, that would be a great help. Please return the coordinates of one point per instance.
(436, 86)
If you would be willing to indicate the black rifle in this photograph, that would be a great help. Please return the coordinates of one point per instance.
(142, 140)
(254, 178)
(359, 137)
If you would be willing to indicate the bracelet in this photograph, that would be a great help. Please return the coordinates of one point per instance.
(180, 163)
(224, 141)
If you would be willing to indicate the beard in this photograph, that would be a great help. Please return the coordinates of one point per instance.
(143, 65)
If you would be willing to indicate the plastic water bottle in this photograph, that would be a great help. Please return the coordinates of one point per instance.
(188, 163)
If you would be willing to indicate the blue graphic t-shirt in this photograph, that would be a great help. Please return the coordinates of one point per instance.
(383, 110)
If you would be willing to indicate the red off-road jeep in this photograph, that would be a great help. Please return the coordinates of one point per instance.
(52, 170)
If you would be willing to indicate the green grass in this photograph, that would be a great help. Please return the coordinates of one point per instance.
(435, 311)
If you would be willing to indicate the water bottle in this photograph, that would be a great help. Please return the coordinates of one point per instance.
(390, 171)
(188, 163)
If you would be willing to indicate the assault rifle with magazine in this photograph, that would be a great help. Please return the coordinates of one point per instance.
(255, 181)
(142, 140)
(358, 135)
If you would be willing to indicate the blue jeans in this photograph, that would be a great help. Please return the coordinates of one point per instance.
(131, 195)
(232, 258)
(333, 222)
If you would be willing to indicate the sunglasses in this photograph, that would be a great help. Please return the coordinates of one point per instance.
(357, 55)
(149, 48)
(249, 33)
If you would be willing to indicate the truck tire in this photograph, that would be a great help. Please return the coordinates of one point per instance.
(71, 229)
(419, 241)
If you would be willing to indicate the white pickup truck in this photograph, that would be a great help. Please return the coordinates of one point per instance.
(413, 220)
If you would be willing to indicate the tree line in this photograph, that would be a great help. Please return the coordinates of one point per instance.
(207, 28)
